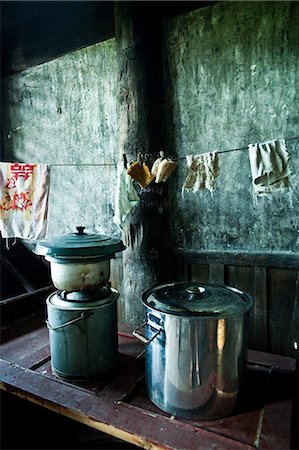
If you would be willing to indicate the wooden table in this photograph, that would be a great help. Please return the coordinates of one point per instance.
(118, 405)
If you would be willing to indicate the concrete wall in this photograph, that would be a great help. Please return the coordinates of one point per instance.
(231, 79)
(64, 113)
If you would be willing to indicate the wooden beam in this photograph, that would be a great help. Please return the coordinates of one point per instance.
(243, 258)
(13, 308)
(17, 274)
(27, 296)
(146, 260)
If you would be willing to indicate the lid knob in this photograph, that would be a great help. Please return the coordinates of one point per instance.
(80, 230)
(197, 291)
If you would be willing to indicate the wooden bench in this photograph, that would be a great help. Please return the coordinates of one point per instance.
(119, 406)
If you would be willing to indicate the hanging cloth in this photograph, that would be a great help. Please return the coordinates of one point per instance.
(163, 168)
(155, 166)
(24, 200)
(269, 163)
(126, 197)
(202, 171)
(141, 173)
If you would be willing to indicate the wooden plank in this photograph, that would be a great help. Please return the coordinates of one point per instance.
(199, 272)
(244, 424)
(277, 362)
(275, 433)
(181, 269)
(259, 335)
(22, 325)
(241, 277)
(118, 419)
(276, 259)
(25, 347)
(283, 320)
(216, 273)
(241, 425)
(103, 404)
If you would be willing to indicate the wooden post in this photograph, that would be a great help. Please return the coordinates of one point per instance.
(146, 261)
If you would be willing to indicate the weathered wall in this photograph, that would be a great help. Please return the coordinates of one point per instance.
(63, 113)
(230, 78)
(232, 72)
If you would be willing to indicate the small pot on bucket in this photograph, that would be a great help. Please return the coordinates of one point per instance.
(82, 314)
(196, 338)
(79, 261)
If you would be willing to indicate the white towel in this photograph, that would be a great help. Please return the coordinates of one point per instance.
(269, 162)
(126, 197)
(202, 171)
(24, 200)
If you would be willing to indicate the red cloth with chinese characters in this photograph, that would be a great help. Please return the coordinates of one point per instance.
(24, 191)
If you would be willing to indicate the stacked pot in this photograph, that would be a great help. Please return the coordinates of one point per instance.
(82, 313)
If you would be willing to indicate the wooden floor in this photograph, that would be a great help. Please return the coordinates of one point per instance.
(118, 405)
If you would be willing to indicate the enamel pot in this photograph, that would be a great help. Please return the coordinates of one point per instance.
(196, 338)
(79, 261)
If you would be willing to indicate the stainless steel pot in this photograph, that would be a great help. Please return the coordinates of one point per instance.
(196, 338)
(79, 261)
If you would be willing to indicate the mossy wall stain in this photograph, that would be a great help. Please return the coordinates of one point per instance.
(231, 79)
(64, 113)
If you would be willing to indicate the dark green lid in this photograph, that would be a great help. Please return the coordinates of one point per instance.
(197, 299)
(78, 245)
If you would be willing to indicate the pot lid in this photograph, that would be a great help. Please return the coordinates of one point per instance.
(79, 244)
(194, 299)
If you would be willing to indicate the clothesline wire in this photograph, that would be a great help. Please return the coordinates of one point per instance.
(88, 164)
(177, 159)
(238, 149)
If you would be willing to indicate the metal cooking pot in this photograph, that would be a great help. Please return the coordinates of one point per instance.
(196, 338)
(83, 334)
(79, 261)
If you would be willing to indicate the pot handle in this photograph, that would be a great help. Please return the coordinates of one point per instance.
(136, 333)
(82, 316)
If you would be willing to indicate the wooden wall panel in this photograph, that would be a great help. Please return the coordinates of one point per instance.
(259, 318)
(240, 277)
(244, 278)
(216, 273)
(282, 295)
(199, 272)
(271, 279)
